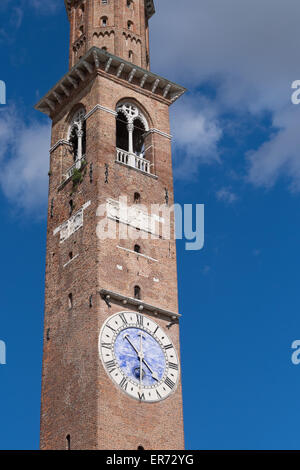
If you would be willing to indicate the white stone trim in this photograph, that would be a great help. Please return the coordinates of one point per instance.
(110, 111)
(133, 216)
(58, 143)
(137, 254)
(74, 223)
(131, 111)
(163, 134)
(103, 108)
(70, 260)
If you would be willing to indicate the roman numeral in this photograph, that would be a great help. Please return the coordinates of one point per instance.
(169, 346)
(141, 396)
(106, 345)
(173, 366)
(169, 383)
(124, 383)
(112, 329)
(122, 316)
(111, 365)
(139, 319)
(155, 330)
(158, 394)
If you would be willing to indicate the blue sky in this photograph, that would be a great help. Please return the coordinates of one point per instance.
(236, 150)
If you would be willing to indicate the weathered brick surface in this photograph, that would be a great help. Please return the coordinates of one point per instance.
(87, 30)
(78, 397)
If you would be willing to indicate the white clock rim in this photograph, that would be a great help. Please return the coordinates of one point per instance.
(115, 383)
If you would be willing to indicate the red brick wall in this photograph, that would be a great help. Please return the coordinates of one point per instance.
(86, 30)
(78, 397)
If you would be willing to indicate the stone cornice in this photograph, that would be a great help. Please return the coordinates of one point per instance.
(109, 295)
(114, 67)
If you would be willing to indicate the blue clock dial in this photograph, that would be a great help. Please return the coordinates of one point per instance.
(138, 356)
(127, 350)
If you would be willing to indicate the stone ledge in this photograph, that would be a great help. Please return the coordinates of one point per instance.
(108, 295)
(101, 61)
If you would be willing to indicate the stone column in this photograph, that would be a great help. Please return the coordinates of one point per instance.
(131, 158)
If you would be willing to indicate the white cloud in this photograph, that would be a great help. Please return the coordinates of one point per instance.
(24, 161)
(226, 195)
(196, 135)
(16, 17)
(280, 156)
(46, 7)
(249, 51)
(15, 14)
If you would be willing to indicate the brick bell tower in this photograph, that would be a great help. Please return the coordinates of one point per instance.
(111, 363)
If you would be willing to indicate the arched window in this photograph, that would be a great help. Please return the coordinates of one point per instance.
(137, 292)
(136, 198)
(131, 128)
(138, 137)
(70, 301)
(129, 25)
(77, 135)
(137, 248)
(104, 21)
(133, 139)
(122, 131)
(130, 56)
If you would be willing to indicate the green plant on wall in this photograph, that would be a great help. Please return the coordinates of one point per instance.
(77, 177)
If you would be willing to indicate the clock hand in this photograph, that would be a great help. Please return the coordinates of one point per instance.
(154, 374)
(141, 357)
(133, 347)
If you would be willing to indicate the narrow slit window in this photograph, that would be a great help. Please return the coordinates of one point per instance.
(137, 198)
(137, 292)
(104, 21)
(71, 207)
(70, 301)
(68, 442)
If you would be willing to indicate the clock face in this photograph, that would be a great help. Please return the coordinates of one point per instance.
(138, 356)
